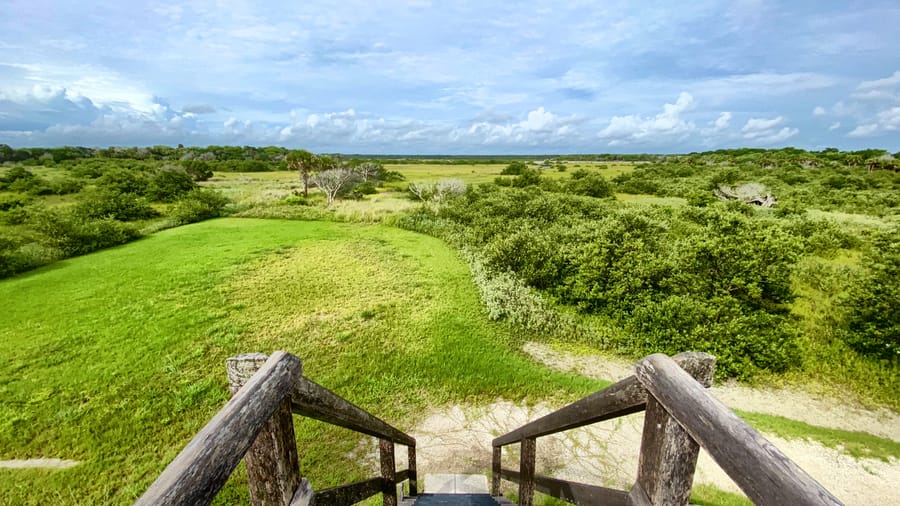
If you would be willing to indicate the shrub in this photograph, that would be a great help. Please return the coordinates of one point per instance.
(527, 177)
(118, 206)
(514, 169)
(76, 235)
(199, 205)
(591, 185)
(873, 318)
(198, 169)
(169, 184)
(123, 181)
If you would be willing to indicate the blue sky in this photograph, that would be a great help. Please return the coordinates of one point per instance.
(452, 77)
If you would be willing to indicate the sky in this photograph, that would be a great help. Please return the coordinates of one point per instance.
(452, 77)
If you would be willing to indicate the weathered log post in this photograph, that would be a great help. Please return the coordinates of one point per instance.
(526, 470)
(413, 476)
(272, 464)
(388, 472)
(495, 471)
(668, 456)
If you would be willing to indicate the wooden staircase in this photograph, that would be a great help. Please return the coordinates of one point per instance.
(681, 418)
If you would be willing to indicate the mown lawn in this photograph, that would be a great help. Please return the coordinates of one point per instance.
(116, 359)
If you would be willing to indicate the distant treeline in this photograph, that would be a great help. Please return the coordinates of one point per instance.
(258, 159)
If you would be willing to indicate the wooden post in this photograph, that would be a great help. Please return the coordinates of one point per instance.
(413, 477)
(388, 472)
(272, 468)
(495, 471)
(668, 456)
(526, 470)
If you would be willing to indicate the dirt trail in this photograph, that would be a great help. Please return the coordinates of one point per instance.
(38, 464)
(458, 438)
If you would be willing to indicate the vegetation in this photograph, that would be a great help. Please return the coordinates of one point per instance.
(633, 257)
(384, 317)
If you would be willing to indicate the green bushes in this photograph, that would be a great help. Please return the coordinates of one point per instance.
(709, 279)
(103, 203)
(76, 235)
(199, 205)
(873, 301)
(168, 184)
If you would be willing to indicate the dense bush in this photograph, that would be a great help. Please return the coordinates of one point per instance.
(873, 301)
(76, 235)
(709, 279)
(199, 205)
(169, 184)
(104, 203)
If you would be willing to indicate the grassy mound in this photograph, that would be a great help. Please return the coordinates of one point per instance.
(116, 359)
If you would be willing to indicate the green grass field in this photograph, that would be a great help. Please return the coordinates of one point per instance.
(116, 359)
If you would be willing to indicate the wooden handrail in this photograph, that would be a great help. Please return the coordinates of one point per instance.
(681, 418)
(315, 401)
(203, 467)
(256, 424)
(762, 471)
(623, 398)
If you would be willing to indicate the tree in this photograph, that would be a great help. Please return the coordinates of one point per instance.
(332, 181)
(305, 163)
(368, 170)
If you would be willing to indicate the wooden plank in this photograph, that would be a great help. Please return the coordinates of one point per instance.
(304, 495)
(668, 455)
(349, 494)
(272, 469)
(200, 470)
(637, 496)
(495, 471)
(388, 472)
(315, 401)
(570, 491)
(763, 472)
(623, 398)
(413, 475)
(402, 476)
(527, 457)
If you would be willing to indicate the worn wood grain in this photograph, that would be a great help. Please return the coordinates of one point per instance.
(668, 456)
(304, 495)
(200, 470)
(763, 472)
(570, 491)
(349, 494)
(527, 455)
(623, 398)
(388, 472)
(637, 496)
(495, 471)
(315, 401)
(413, 475)
(271, 461)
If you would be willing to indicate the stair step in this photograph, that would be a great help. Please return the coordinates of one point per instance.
(456, 484)
(452, 500)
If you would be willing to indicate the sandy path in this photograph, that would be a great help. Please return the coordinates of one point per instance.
(38, 464)
(458, 438)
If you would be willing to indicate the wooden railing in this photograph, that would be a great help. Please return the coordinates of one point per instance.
(680, 418)
(257, 425)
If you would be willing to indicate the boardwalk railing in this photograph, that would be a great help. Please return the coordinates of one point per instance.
(681, 417)
(256, 425)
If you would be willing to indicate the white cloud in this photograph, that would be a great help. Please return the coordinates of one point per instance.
(878, 84)
(864, 131)
(636, 129)
(723, 121)
(834, 126)
(765, 131)
(819, 111)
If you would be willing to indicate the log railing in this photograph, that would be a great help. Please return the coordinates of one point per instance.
(257, 425)
(681, 417)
